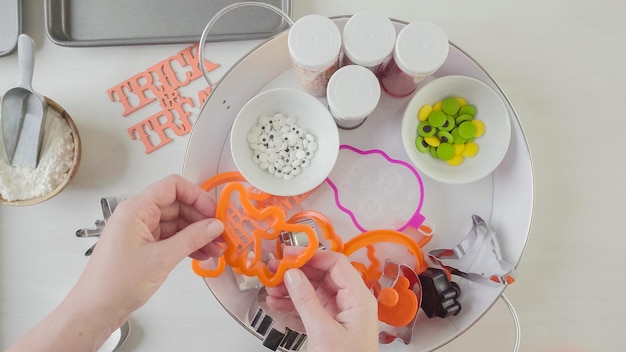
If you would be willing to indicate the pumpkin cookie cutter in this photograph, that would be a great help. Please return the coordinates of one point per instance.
(397, 322)
(396, 287)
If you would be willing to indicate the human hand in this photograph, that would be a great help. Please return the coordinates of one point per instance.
(143, 240)
(339, 313)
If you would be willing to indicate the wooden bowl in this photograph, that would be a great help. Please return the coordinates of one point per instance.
(70, 173)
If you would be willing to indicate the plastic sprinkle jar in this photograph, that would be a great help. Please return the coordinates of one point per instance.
(421, 48)
(353, 93)
(368, 39)
(314, 43)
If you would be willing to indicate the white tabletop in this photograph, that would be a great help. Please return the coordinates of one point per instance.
(560, 64)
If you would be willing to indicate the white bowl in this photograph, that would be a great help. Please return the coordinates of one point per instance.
(311, 115)
(493, 145)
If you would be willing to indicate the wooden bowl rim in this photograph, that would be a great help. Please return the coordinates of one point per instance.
(70, 174)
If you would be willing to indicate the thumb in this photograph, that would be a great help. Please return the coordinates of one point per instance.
(192, 238)
(305, 300)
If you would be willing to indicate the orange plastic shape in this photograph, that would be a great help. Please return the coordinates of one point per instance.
(388, 297)
(243, 245)
(397, 306)
(369, 274)
(240, 242)
(390, 236)
(325, 226)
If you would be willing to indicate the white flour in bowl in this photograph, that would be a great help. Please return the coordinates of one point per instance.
(55, 160)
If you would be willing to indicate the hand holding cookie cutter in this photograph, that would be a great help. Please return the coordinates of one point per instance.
(246, 228)
(394, 288)
(259, 217)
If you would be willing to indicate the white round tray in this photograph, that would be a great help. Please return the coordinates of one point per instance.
(503, 199)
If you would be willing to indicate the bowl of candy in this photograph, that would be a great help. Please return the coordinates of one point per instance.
(456, 129)
(284, 142)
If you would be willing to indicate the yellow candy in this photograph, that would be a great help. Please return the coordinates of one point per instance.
(424, 111)
(432, 141)
(457, 130)
(456, 160)
(480, 127)
(471, 149)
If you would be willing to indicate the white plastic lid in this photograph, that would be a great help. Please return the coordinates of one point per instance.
(368, 38)
(421, 48)
(353, 92)
(314, 42)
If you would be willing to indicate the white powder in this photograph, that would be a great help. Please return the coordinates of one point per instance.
(55, 161)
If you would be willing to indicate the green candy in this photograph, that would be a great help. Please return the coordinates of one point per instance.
(450, 106)
(467, 130)
(468, 109)
(433, 152)
(425, 129)
(421, 145)
(456, 137)
(445, 128)
(463, 118)
(449, 125)
(445, 151)
(445, 137)
(436, 118)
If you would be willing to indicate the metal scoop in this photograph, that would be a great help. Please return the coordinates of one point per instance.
(23, 112)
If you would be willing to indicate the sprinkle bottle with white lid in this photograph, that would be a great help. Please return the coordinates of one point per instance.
(421, 49)
(353, 93)
(368, 39)
(314, 43)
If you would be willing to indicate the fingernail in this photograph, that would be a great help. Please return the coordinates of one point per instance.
(293, 278)
(215, 226)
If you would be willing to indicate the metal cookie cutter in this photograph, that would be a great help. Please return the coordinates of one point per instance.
(397, 318)
(108, 205)
(479, 251)
(273, 338)
(286, 238)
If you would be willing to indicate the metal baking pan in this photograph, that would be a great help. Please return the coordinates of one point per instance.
(10, 25)
(82, 23)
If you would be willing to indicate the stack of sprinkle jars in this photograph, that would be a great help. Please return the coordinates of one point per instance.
(395, 62)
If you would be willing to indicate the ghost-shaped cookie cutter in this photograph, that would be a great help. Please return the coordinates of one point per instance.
(479, 252)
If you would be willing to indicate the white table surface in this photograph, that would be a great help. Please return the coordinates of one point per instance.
(559, 62)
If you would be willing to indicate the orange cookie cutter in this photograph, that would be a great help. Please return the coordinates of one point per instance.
(370, 238)
(260, 217)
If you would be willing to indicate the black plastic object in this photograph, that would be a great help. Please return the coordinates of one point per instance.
(439, 295)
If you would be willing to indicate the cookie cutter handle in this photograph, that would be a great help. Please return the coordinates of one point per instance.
(217, 16)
